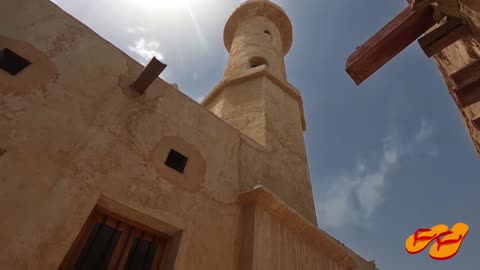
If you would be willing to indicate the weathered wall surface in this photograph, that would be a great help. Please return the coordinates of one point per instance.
(261, 109)
(459, 54)
(250, 40)
(276, 245)
(280, 238)
(73, 130)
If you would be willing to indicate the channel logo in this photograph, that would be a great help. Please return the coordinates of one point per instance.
(446, 242)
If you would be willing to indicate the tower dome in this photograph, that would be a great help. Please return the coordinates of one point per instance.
(258, 33)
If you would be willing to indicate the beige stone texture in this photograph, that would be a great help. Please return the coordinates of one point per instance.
(77, 137)
(459, 54)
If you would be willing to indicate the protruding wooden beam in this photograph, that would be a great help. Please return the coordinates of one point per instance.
(469, 94)
(476, 122)
(148, 75)
(444, 36)
(467, 75)
(404, 29)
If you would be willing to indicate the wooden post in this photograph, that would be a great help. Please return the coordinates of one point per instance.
(403, 30)
(444, 36)
(148, 75)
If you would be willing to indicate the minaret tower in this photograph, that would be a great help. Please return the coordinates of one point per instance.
(256, 98)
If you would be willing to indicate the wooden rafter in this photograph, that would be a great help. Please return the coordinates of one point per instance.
(469, 94)
(476, 122)
(148, 75)
(467, 83)
(466, 75)
(403, 30)
(444, 36)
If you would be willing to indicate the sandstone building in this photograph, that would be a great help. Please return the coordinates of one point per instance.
(448, 31)
(103, 165)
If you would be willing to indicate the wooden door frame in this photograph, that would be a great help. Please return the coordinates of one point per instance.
(127, 215)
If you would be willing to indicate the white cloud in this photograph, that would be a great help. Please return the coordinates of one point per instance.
(355, 196)
(135, 30)
(361, 166)
(146, 50)
(425, 132)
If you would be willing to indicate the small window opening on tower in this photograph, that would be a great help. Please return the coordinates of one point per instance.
(12, 62)
(258, 61)
(267, 32)
(176, 161)
(2, 151)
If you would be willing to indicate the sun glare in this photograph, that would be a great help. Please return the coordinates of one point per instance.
(164, 4)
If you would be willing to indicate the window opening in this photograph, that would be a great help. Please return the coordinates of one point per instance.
(176, 161)
(12, 62)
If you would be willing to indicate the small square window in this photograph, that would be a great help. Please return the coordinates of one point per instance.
(12, 62)
(176, 161)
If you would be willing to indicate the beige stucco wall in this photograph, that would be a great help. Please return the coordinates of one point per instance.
(76, 136)
(277, 245)
(79, 132)
(250, 40)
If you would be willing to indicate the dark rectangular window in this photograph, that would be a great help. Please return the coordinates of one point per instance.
(106, 242)
(176, 161)
(12, 62)
(141, 255)
(98, 250)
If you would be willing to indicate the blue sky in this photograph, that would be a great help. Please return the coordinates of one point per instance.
(386, 158)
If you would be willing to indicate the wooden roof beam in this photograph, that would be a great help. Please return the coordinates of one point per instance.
(466, 75)
(469, 94)
(476, 122)
(148, 75)
(467, 83)
(400, 32)
(445, 35)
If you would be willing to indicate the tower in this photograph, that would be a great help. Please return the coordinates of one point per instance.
(255, 97)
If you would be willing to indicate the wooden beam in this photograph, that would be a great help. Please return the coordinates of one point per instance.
(444, 36)
(476, 122)
(148, 75)
(404, 29)
(469, 94)
(467, 75)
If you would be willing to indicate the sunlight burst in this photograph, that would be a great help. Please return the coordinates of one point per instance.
(164, 4)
